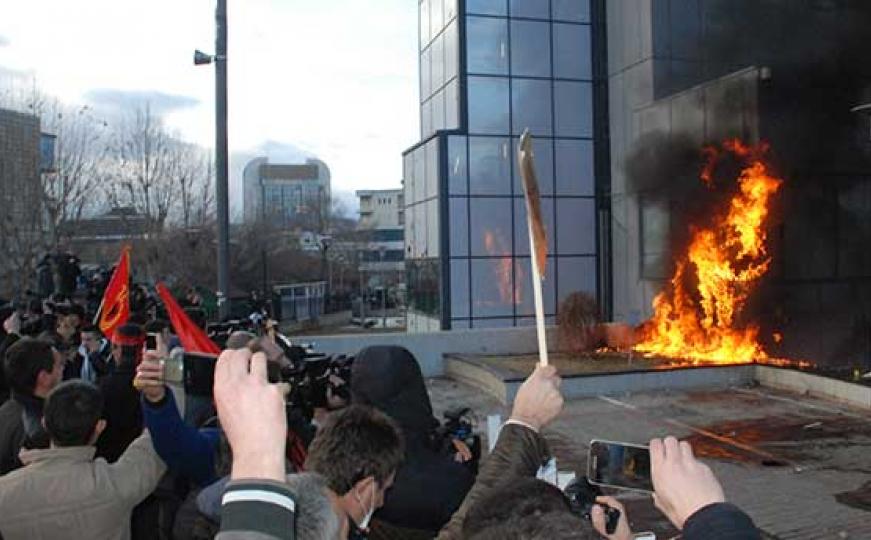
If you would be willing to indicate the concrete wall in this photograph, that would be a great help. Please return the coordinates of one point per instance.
(430, 348)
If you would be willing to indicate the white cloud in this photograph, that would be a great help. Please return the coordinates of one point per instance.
(334, 79)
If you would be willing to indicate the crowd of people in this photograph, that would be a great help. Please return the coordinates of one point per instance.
(94, 444)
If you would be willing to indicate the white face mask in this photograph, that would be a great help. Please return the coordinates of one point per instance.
(364, 523)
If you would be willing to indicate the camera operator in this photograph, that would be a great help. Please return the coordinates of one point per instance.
(430, 484)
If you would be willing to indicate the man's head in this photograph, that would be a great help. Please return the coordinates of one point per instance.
(316, 519)
(91, 337)
(515, 498)
(553, 526)
(127, 343)
(72, 414)
(76, 316)
(358, 451)
(33, 367)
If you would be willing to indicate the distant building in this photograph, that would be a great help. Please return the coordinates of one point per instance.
(381, 234)
(25, 153)
(291, 195)
(98, 240)
(381, 209)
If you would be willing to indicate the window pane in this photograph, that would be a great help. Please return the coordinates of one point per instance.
(507, 322)
(450, 10)
(530, 49)
(523, 289)
(436, 17)
(420, 231)
(521, 229)
(490, 226)
(573, 109)
(438, 111)
(452, 105)
(487, 7)
(576, 274)
(536, 9)
(432, 168)
(459, 288)
(425, 74)
(574, 167)
(571, 51)
(410, 225)
(433, 230)
(492, 287)
(452, 48)
(655, 224)
(571, 10)
(424, 23)
(542, 151)
(489, 166)
(531, 108)
(461, 324)
(457, 165)
(487, 45)
(419, 173)
(488, 105)
(576, 226)
(438, 62)
(426, 119)
(459, 226)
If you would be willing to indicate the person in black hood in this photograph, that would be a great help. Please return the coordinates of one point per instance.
(429, 485)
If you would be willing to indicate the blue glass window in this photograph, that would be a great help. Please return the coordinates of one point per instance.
(571, 51)
(487, 45)
(535, 9)
(487, 7)
(576, 226)
(531, 107)
(574, 167)
(488, 105)
(574, 109)
(571, 10)
(530, 49)
(490, 226)
(489, 166)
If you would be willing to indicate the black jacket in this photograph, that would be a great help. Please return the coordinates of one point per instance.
(429, 486)
(720, 522)
(122, 411)
(20, 427)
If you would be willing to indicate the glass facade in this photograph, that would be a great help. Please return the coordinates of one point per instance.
(525, 64)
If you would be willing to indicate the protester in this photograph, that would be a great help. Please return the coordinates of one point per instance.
(32, 369)
(430, 485)
(123, 412)
(63, 492)
(94, 352)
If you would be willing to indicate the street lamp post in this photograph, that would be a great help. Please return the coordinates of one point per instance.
(221, 154)
(381, 251)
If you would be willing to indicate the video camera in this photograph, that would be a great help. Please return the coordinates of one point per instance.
(313, 377)
(582, 497)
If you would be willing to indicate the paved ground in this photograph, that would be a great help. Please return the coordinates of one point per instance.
(799, 466)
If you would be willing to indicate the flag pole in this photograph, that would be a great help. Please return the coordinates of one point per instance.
(537, 234)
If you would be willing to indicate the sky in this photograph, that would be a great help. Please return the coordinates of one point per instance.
(335, 79)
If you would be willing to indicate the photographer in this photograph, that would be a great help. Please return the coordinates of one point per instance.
(430, 484)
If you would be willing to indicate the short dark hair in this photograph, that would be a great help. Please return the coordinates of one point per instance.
(24, 360)
(72, 410)
(552, 525)
(355, 443)
(516, 497)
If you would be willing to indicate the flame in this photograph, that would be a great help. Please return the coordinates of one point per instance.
(503, 269)
(724, 261)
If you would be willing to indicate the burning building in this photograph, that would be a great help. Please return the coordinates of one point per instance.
(686, 75)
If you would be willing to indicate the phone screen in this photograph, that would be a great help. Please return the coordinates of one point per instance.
(620, 465)
(151, 342)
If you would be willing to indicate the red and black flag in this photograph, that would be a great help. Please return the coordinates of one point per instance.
(115, 307)
(192, 337)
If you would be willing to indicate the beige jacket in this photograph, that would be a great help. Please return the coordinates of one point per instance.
(64, 493)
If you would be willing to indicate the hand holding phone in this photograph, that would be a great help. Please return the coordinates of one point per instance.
(150, 378)
(620, 465)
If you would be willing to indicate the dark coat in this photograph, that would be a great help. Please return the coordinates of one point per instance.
(429, 486)
(122, 412)
(20, 427)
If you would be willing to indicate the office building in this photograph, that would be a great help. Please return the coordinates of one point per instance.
(488, 70)
(287, 195)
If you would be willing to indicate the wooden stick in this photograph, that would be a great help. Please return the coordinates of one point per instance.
(539, 302)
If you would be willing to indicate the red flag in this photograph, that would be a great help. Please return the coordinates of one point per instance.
(192, 337)
(116, 300)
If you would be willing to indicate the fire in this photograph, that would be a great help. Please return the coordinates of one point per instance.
(696, 316)
(503, 269)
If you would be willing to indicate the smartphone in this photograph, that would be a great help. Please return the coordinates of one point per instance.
(619, 465)
(199, 373)
(151, 342)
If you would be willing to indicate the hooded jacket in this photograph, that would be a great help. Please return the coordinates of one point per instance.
(429, 486)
